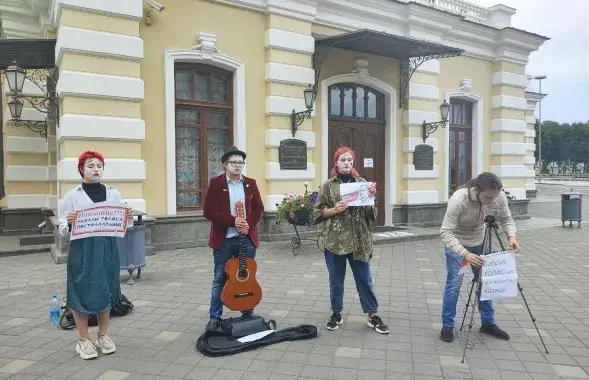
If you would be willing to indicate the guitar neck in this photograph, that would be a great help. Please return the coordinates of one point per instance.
(239, 212)
(242, 252)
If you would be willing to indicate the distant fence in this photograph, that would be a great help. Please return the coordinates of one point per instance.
(564, 177)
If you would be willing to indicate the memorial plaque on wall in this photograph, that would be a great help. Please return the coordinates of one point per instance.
(423, 157)
(292, 154)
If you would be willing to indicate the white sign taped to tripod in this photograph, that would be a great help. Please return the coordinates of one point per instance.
(499, 278)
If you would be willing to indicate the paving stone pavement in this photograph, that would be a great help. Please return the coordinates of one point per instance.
(156, 340)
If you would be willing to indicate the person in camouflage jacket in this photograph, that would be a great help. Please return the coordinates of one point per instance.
(348, 239)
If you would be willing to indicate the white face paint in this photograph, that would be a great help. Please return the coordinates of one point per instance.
(93, 170)
(345, 162)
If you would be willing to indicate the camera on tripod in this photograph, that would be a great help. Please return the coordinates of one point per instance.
(491, 221)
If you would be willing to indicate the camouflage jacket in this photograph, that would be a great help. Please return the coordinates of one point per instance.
(348, 231)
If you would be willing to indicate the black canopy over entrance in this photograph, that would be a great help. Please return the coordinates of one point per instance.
(35, 56)
(30, 54)
(409, 51)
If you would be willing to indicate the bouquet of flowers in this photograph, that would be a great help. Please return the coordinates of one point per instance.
(296, 208)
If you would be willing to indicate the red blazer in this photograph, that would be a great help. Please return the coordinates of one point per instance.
(216, 209)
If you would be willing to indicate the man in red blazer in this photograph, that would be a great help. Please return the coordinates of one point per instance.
(223, 192)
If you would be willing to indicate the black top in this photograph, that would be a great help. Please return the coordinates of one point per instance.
(96, 191)
(346, 178)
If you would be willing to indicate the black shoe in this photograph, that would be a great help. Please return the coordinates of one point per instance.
(247, 314)
(213, 324)
(334, 321)
(377, 324)
(495, 331)
(218, 324)
(447, 334)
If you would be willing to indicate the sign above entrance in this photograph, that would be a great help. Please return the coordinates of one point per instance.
(423, 157)
(292, 154)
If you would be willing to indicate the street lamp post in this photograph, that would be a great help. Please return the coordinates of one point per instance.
(539, 78)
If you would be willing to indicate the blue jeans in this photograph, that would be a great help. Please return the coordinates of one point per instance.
(221, 255)
(452, 291)
(336, 266)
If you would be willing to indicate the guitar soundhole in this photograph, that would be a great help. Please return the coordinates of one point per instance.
(243, 295)
(242, 275)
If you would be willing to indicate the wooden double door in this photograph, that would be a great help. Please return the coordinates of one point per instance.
(356, 120)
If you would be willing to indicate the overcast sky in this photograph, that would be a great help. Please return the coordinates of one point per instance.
(564, 59)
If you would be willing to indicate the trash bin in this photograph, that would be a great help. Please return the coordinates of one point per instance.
(571, 208)
(132, 248)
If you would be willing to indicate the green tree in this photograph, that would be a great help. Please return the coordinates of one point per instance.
(578, 144)
(564, 144)
(552, 144)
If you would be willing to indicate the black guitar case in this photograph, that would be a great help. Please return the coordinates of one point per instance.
(224, 341)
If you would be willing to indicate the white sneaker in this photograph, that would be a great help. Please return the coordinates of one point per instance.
(106, 345)
(86, 349)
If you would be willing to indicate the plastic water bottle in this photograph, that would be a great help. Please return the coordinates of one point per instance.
(54, 311)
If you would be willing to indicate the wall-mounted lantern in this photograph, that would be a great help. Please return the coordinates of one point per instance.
(429, 128)
(48, 103)
(297, 118)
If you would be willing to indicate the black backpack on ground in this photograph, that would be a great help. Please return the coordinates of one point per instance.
(122, 308)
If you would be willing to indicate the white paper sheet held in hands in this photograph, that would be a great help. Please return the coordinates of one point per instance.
(356, 194)
(100, 219)
(499, 279)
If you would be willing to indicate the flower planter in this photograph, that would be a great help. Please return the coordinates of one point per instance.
(304, 204)
(301, 217)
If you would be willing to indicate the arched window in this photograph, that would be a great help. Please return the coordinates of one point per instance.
(355, 101)
(460, 148)
(204, 129)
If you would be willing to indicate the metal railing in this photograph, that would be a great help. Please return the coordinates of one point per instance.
(565, 177)
(471, 12)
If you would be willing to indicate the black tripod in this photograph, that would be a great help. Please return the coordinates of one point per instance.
(491, 228)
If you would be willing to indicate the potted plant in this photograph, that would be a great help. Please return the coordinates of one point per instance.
(509, 197)
(296, 209)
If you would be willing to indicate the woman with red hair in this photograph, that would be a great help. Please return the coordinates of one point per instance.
(348, 239)
(93, 284)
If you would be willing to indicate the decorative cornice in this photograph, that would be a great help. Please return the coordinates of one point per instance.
(127, 9)
(35, 18)
(534, 96)
(25, 18)
(408, 19)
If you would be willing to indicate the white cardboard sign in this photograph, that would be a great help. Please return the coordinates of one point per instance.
(100, 219)
(499, 276)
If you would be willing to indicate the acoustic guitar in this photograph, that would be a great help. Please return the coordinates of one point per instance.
(241, 290)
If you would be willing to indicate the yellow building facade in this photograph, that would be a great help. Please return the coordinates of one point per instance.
(161, 92)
